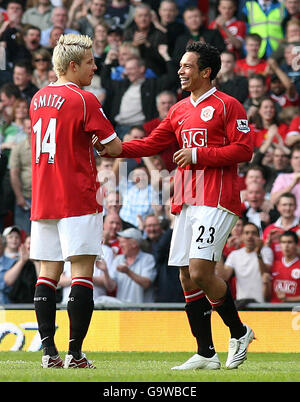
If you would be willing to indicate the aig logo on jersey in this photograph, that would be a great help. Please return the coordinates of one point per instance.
(242, 125)
(194, 137)
(207, 113)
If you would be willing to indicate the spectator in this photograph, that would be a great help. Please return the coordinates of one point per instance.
(25, 43)
(112, 202)
(234, 241)
(12, 237)
(39, 15)
(143, 34)
(112, 224)
(153, 231)
(96, 14)
(132, 101)
(280, 161)
(120, 13)
(167, 285)
(287, 220)
(133, 272)
(22, 78)
(20, 177)
(117, 57)
(9, 92)
(166, 21)
(249, 264)
(293, 12)
(115, 38)
(42, 63)
(3, 170)
(292, 37)
(252, 63)
(196, 31)
(21, 277)
(5, 264)
(258, 210)
(13, 133)
(282, 88)
(293, 134)
(289, 182)
(164, 100)
(59, 18)
(53, 38)
(290, 64)
(257, 90)
(12, 26)
(232, 29)
(266, 119)
(284, 284)
(264, 18)
(138, 197)
(105, 176)
(100, 44)
(228, 81)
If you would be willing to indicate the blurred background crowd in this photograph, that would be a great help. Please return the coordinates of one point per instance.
(137, 48)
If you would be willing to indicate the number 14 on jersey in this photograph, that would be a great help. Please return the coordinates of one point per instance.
(47, 144)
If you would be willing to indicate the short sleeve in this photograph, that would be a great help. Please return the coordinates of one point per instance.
(96, 122)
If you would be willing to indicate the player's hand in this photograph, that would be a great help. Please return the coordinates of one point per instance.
(183, 157)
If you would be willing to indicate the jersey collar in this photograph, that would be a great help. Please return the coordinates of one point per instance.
(202, 97)
(53, 84)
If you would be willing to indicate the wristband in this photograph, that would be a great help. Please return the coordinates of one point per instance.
(194, 155)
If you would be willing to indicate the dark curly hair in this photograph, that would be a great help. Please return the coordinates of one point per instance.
(209, 56)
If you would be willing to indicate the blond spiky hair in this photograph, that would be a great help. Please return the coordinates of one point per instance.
(70, 47)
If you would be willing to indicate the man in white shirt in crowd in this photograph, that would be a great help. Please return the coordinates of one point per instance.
(249, 264)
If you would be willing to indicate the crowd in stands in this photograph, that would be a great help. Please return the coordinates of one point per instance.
(137, 47)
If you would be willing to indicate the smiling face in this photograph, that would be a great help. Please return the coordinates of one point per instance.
(267, 110)
(188, 72)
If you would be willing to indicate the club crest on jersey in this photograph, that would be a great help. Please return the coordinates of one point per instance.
(295, 274)
(207, 113)
(242, 125)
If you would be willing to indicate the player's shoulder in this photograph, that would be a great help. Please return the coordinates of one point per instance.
(87, 95)
(228, 102)
(185, 102)
(227, 99)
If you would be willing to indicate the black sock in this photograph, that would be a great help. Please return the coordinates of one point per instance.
(45, 308)
(80, 308)
(199, 316)
(228, 312)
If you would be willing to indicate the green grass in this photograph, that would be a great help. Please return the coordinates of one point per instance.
(150, 367)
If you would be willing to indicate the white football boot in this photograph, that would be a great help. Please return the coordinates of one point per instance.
(197, 362)
(237, 351)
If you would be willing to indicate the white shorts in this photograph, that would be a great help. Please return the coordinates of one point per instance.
(59, 239)
(200, 232)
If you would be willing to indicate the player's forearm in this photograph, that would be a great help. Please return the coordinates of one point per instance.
(224, 156)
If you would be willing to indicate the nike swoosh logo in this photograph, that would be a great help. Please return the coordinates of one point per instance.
(180, 121)
(200, 248)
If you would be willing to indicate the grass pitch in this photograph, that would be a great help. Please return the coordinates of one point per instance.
(149, 367)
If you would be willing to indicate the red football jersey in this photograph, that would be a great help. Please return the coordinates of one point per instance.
(236, 27)
(243, 68)
(63, 120)
(275, 246)
(286, 278)
(294, 127)
(260, 135)
(216, 127)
